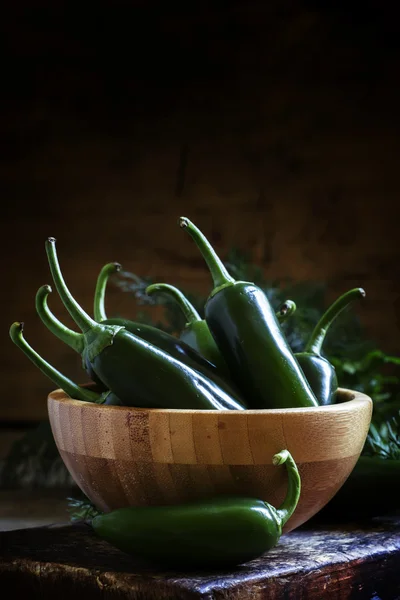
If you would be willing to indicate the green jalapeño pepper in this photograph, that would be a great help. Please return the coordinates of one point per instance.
(320, 373)
(247, 332)
(178, 348)
(220, 532)
(165, 341)
(137, 372)
(72, 389)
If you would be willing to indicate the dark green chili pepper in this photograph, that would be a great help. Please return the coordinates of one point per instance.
(177, 348)
(220, 532)
(61, 381)
(165, 341)
(320, 373)
(139, 373)
(196, 332)
(250, 338)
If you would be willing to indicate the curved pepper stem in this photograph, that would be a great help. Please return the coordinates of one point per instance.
(219, 273)
(81, 318)
(189, 311)
(99, 312)
(314, 344)
(291, 500)
(68, 336)
(286, 310)
(72, 389)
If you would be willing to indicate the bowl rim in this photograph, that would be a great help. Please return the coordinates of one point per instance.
(357, 400)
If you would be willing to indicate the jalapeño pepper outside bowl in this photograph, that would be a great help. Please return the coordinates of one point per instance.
(121, 456)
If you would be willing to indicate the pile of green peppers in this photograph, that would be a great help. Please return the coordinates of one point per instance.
(235, 358)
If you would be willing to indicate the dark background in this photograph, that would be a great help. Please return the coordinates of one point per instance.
(273, 125)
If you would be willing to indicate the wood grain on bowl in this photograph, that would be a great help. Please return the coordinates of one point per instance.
(122, 456)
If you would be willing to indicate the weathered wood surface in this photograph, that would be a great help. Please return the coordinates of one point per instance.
(357, 561)
(274, 125)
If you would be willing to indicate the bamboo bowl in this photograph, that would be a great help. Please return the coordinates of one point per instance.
(121, 456)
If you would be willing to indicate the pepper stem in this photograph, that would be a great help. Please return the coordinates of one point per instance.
(68, 336)
(289, 504)
(99, 312)
(314, 344)
(216, 267)
(80, 317)
(189, 311)
(72, 389)
(285, 310)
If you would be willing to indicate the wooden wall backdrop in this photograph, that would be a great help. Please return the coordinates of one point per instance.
(274, 126)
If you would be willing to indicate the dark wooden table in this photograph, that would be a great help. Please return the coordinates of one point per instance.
(352, 561)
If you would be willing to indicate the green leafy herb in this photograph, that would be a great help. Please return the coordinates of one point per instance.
(80, 508)
(34, 462)
(384, 439)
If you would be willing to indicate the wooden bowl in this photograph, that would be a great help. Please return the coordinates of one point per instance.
(121, 456)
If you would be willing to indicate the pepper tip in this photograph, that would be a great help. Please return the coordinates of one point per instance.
(183, 222)
(280, 458)
(151, 288)
(16, 328)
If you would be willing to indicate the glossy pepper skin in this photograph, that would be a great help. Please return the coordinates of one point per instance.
(162, 340)
(320, 373)
(196, 332)
(178, 348)
(61, 381)
(220, 532)
(247, 332)
(137, 372)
